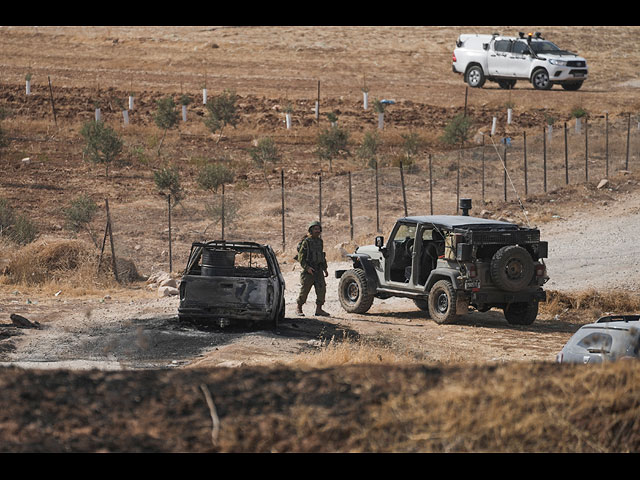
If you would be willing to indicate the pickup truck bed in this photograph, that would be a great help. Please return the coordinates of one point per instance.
(232, 282)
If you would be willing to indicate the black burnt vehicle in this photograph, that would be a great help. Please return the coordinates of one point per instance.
(232, 282)
(448, 263)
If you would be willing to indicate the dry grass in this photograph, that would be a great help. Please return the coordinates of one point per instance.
(350, 352)
(592, 302)
(52, 264)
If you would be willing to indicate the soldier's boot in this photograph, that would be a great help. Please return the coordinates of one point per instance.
(299, 311)
(320, 312)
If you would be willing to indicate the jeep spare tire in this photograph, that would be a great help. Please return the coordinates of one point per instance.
(512, 268)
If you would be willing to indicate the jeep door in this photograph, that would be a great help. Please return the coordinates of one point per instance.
(400, 253)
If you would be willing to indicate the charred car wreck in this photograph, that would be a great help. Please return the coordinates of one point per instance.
(232, 282)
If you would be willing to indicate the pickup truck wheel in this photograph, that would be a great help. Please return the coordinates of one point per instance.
(352, 291)
(571, 86)
(442, 302)
(506, 84)
(511, 268)
(540, 80)
(521, 313)
(475, 77)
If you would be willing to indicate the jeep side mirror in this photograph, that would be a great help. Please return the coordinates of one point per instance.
(379, 241)
(485, 46)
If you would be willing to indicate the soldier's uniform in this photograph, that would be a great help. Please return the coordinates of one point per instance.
(311, 254)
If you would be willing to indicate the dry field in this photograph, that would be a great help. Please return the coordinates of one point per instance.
(479, 386)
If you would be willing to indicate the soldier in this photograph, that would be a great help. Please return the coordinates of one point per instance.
(314, 268)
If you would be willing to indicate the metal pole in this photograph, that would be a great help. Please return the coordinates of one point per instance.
(404, 194)
(350, 208)
(282, 195)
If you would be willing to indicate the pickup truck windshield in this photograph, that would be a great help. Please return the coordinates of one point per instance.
(545, 47)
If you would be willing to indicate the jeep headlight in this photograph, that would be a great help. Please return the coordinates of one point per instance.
(562, 63)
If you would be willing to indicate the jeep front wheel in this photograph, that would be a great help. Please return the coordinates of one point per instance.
(521, 313)
(352, 292)
(442, 302)
(475, 77)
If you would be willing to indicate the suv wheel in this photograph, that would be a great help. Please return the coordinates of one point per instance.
(540, 80)
(442, 302)
(352, 292)
(512, 268)
(475, 77)
(521, 313)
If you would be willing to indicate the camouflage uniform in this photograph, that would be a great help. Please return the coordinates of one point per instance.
(312, 255)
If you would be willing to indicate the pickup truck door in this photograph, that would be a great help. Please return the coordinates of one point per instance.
(499, 57)
(520, 59)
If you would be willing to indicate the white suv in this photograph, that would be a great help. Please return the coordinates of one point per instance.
(506, 59)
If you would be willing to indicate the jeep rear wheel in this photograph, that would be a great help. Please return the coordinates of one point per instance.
(512, 268)
(442, 302)
(521, 313)
(475, 76)
(352, 291)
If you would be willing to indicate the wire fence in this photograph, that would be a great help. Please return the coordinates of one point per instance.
(497, 169)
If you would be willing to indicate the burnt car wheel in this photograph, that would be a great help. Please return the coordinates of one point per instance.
(442, 302)
(352, 292)
(521, 313)
(512, 268)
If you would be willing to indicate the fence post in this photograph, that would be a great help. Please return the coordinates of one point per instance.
(430, 186)
(566, 156)
(222, 211)
(404, 195)
(483, 172)
(350, 208)
(524, 147)
(544, 160)
(505, 171)
(606, 145)
(377, 204)
(626, 164)
(282, 197)
(320, 196)
(113, 248)
(586, 149)
(169, 215)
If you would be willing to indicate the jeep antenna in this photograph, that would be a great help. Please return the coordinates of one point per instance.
(510, 181)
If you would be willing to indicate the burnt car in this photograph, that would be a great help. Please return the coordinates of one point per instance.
(232, 282)
(610, 338)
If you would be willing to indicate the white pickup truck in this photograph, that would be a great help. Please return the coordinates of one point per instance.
(506, 59)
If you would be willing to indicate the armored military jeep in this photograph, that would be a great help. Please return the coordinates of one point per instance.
(448, 263)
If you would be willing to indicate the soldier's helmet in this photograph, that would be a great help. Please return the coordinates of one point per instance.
(313, 224)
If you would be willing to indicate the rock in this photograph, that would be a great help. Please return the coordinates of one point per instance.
(167, 291)
(603, 183)
(168, 282)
